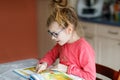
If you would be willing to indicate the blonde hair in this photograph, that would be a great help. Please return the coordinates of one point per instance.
(64, 15)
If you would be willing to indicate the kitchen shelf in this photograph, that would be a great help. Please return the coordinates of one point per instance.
(100, 21)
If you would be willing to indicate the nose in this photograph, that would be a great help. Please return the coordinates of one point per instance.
(53, 38)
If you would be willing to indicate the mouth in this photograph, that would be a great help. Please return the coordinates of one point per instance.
(57, 41)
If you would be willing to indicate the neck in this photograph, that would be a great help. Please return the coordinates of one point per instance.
(74, 37)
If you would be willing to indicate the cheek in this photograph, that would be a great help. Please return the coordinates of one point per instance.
(64, 37)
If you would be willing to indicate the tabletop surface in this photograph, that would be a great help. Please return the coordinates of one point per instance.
(6, 69)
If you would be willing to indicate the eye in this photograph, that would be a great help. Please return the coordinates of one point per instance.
(55, 34)
(50, 32)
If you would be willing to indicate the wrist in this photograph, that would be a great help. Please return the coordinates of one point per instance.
(44, 63)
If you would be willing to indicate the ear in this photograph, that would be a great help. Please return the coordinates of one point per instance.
(69, 29)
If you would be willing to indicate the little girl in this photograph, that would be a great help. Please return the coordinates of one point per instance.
(75, 54)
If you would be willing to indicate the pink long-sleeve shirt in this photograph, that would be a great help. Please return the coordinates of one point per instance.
(78, 56)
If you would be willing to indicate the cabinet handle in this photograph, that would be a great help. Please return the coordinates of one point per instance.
(111, 32)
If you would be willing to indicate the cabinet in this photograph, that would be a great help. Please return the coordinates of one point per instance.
(109, 52)
(106, 42)
(90, 35)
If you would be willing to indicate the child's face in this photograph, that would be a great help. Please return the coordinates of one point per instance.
(59, 34)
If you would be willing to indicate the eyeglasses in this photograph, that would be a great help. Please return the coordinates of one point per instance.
(54, 33)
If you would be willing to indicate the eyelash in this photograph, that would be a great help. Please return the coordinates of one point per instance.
(55, 34)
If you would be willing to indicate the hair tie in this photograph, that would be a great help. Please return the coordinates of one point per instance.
(57, 1)
(61, 3)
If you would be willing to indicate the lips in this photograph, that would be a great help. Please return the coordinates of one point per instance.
(57, 41)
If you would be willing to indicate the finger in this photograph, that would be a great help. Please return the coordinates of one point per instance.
(38, 67)
(39, 70)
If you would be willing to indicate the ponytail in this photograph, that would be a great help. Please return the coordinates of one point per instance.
(63, 14)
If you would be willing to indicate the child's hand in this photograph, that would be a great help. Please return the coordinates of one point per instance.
(60, 67)
(41, 67)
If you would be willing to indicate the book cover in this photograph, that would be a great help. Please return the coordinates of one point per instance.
(25, 72)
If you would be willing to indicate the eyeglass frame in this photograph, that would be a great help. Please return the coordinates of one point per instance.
(55, 34)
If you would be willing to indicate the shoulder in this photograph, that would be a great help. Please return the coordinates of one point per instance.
(85, 46)
(83, 43)
(56, 47)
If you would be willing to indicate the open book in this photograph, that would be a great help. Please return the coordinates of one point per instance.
(25, 72)
(44, 75)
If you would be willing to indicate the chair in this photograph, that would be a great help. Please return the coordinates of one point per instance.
(107, 72)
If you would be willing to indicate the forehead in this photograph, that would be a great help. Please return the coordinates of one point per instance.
(54, 26)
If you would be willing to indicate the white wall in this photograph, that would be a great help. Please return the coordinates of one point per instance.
(44, 41)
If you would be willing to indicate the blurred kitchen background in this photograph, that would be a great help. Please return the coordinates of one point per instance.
(98, 10)
(24, 34)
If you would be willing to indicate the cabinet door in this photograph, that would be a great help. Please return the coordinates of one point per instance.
(90, 35)
(109, 52)
(92, 40)
(89, 31)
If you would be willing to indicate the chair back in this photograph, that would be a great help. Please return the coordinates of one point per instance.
(107, 72)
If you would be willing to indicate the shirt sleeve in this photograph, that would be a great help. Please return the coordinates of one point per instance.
(51, 56)
(86, 68)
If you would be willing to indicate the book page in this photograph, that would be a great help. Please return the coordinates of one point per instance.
(46, 74)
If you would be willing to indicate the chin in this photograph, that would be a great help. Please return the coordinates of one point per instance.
(60, 43)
